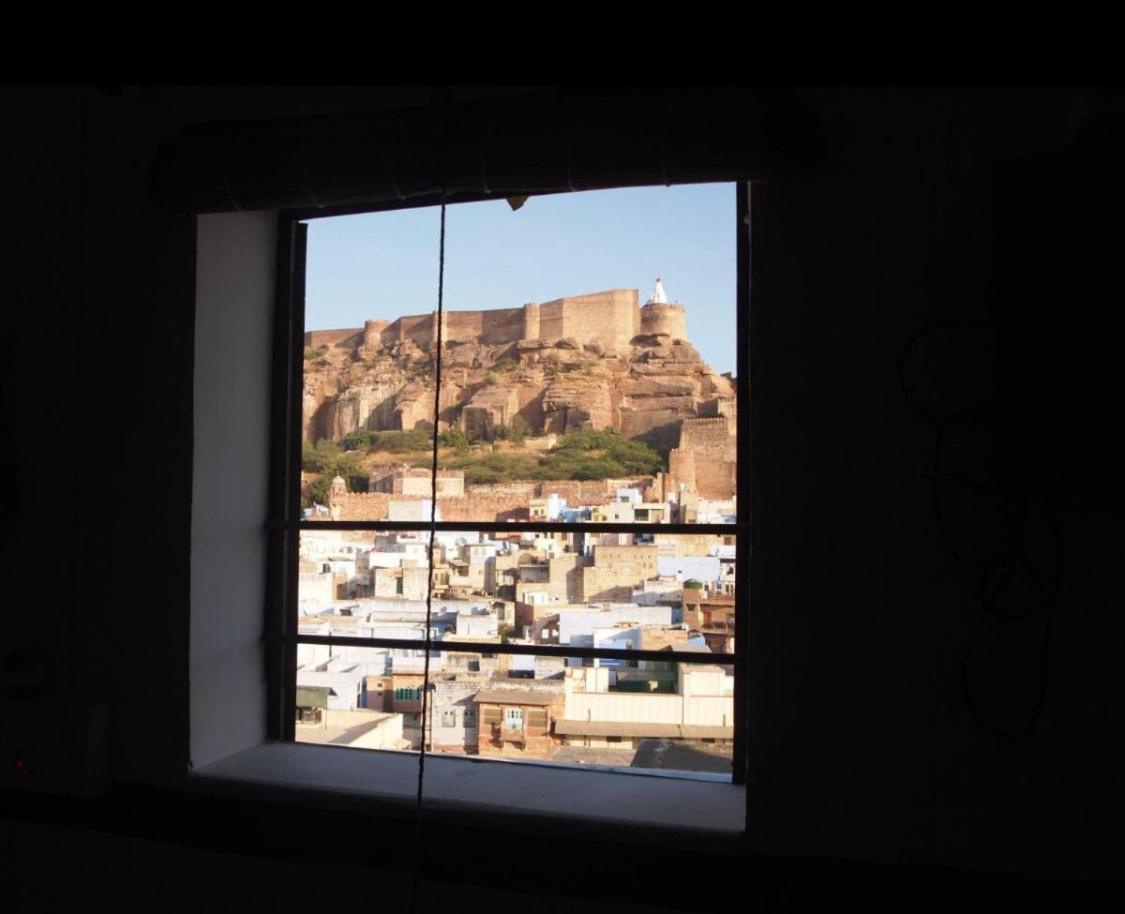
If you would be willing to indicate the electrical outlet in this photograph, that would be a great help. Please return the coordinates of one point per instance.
(56, 745)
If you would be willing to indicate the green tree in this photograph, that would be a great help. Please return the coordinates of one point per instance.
(454, 438)
(519, 430)
(318, 490)
(329, 460)
(390, 440)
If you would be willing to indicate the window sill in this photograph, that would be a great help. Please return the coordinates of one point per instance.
(650, 809)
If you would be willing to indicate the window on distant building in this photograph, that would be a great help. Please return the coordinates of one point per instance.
(586, 388)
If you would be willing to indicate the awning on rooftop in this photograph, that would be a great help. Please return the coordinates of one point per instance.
(313, 696)
(640, 730)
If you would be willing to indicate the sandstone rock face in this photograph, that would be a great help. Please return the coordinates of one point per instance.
(363, 407)
(553, 384)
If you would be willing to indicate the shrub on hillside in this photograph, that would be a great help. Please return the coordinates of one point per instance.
(585, 455)
(412, 440)
(454, 438)
(328, 458)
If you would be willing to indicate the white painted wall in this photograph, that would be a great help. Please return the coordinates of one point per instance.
(233, 341)
(642, 708)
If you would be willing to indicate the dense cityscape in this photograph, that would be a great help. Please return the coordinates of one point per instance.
(669, 432)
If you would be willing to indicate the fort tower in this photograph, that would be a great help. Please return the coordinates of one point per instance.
(660, 316)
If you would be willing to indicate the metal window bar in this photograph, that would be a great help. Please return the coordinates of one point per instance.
(743, 492)
(484, 526)
(534, 650)
(284, 528)
(283, 546)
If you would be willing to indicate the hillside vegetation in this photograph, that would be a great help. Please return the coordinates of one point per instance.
(584, 455)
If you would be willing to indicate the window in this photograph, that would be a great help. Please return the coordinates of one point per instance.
(587, 467)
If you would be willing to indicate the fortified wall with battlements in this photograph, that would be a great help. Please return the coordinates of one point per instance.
(610, 319)
(706, 459)
(486, 502)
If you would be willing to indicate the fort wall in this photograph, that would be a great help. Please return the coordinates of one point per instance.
(610, 318)
(492, 502)
(417, 327)
(705, 435)
(532, 321)
(504, 325)
(373, 332)
(706, 459)
(315, 338)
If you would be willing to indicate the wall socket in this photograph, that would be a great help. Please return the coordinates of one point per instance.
(56, 745)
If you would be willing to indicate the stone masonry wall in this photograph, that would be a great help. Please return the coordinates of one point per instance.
(496, 502)
(417, 327)
(706, 459)
(316, 338)
(657, 317)
(616, 571)
(611, 318)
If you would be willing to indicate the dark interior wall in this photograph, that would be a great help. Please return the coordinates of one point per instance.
(862, 743)
(862, 747)
(98, 393)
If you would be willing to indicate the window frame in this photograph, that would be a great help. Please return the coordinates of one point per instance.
(285, 522)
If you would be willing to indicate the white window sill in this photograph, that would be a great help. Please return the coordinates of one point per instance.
(484, 792)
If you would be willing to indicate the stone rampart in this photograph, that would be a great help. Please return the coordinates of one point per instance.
(705, 434)
(417, 327)
(611, 319)
(362, 505)
(706, 459)
(373, 333)
(490, 502)
(315, 338)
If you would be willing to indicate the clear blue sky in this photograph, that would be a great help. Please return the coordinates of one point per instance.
(383, 265)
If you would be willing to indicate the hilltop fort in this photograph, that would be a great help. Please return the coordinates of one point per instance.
(594, 361)
(609, 319)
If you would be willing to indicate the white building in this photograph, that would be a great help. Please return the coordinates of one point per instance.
(702, 707)
(576, 626)
(702, 568)
(360, 729)
(402, 509)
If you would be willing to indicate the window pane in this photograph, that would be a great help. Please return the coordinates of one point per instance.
(574, 385)
(632, 715)
(630, 591)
